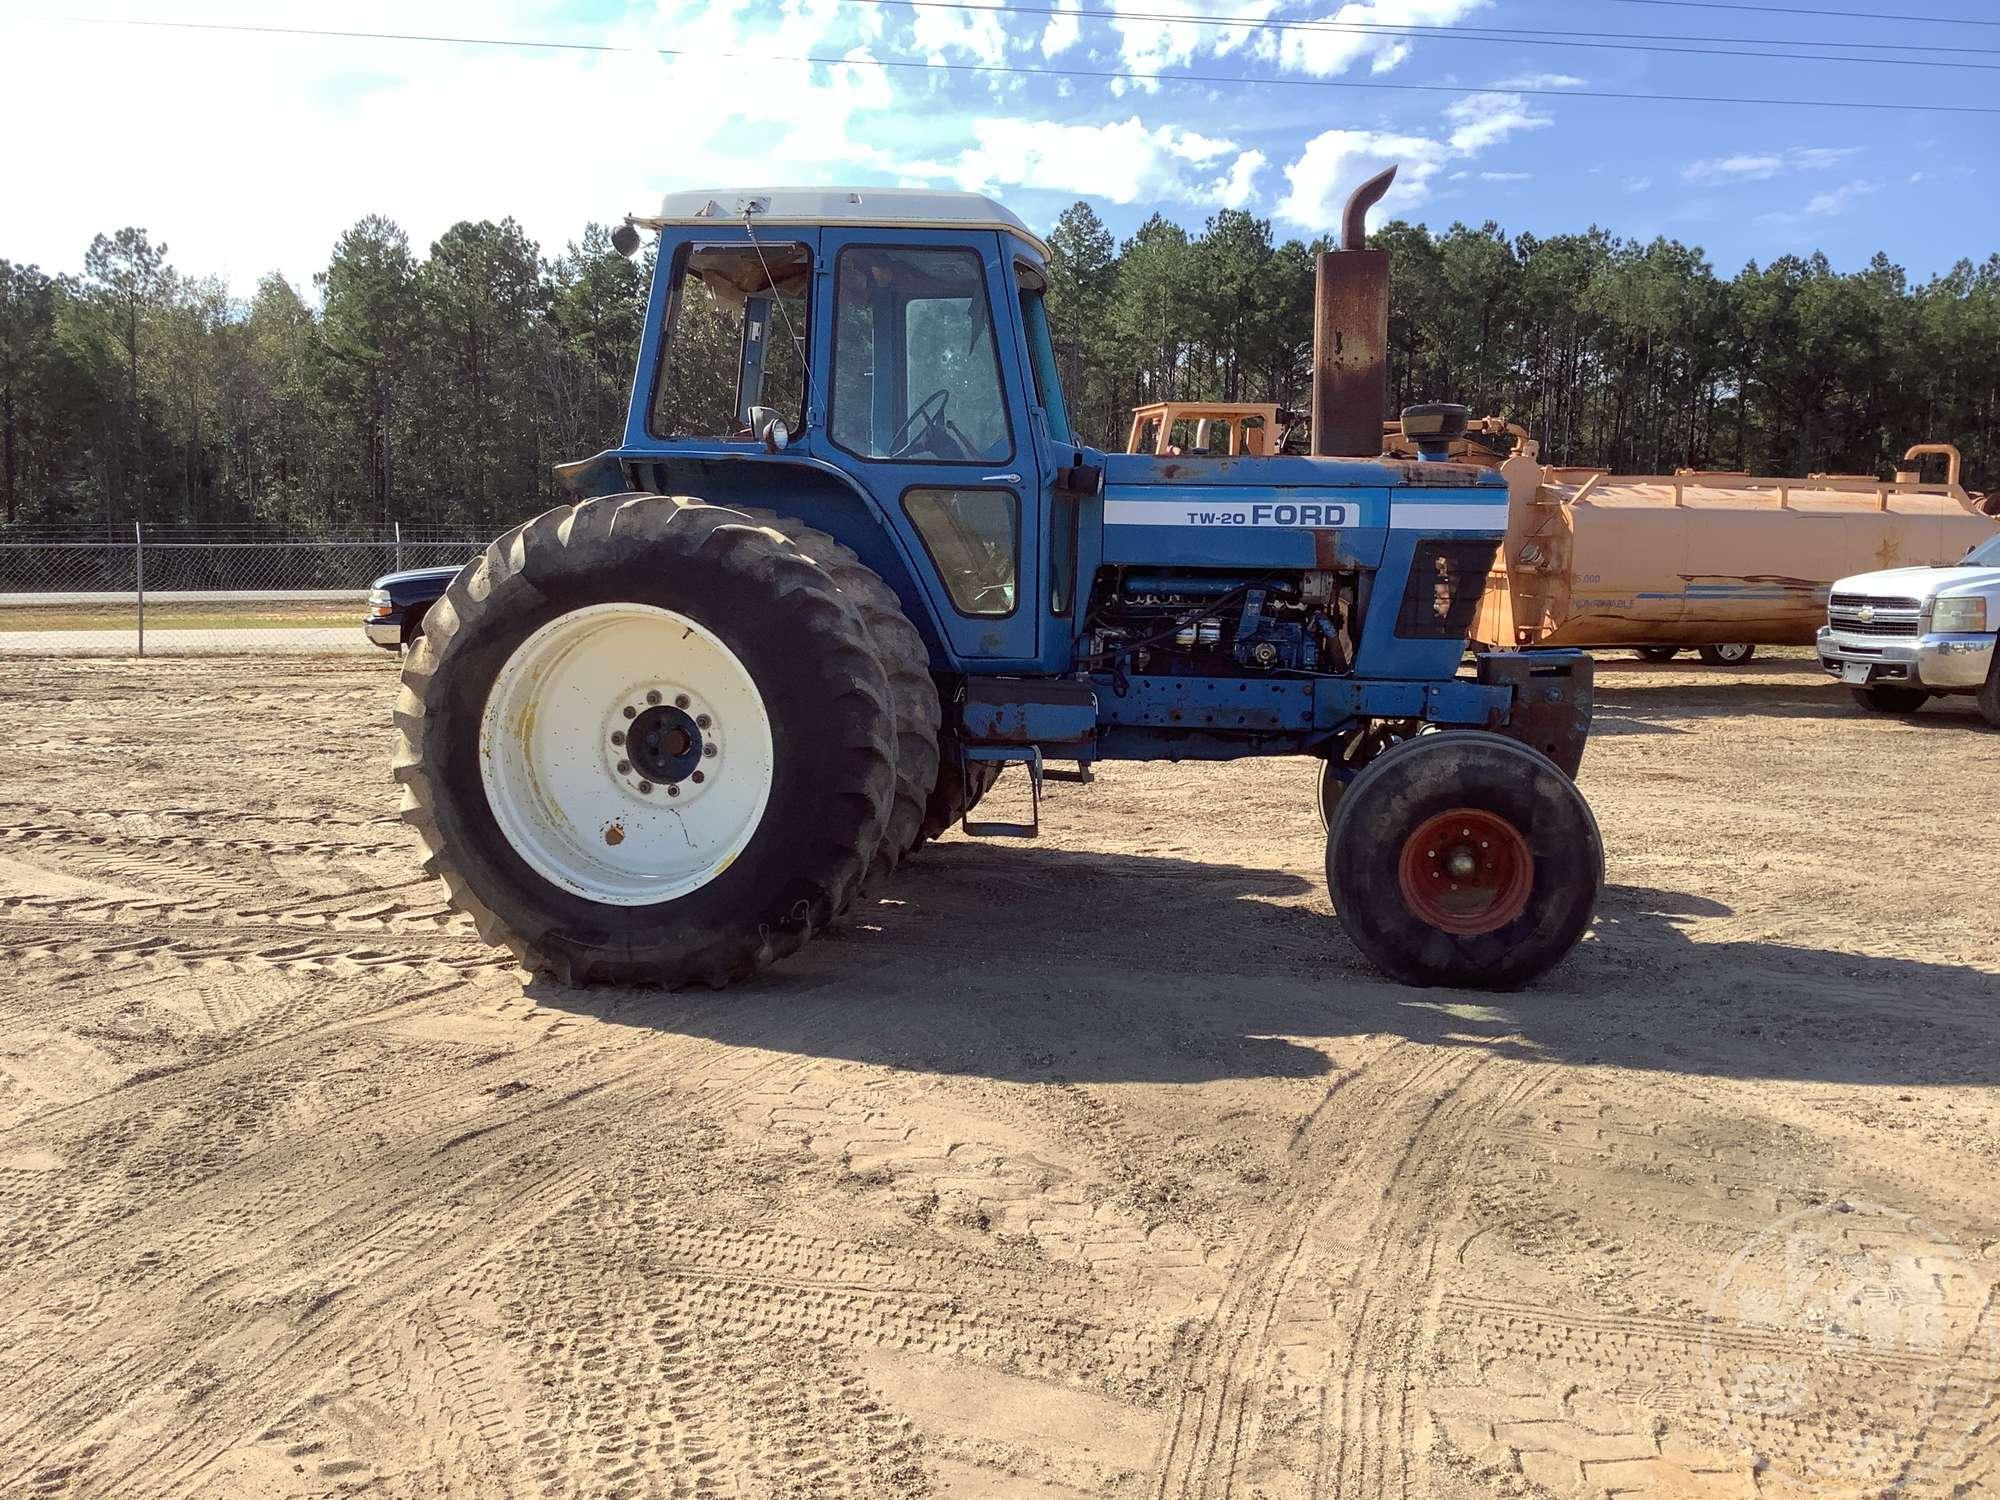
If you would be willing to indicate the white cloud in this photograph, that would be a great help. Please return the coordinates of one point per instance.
(1324, 53)
(1542, 81)
(1506, 176)
(1063, 29)
(1835, 201)
(1483, 120)
(255, 152)
(960, 35)
(1127, 162)
(1635, 184)
(1335, 162)
(1764, 165)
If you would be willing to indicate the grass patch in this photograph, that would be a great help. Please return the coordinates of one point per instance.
(261, 615)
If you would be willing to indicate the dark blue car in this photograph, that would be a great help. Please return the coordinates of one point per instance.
(397, 602)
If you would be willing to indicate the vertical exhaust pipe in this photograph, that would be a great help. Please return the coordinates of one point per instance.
(1350, 370)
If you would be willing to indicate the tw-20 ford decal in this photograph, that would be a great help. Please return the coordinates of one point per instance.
(1308, 515)
(1208, 512)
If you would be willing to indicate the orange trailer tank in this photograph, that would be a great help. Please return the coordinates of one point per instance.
(1694, 559)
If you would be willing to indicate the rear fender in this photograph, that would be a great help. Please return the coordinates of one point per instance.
(795, 485)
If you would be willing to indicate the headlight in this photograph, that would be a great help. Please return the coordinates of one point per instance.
(1958, 616)
(379, 602)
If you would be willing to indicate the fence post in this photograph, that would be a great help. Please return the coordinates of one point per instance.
(139, 576)
(399, 544)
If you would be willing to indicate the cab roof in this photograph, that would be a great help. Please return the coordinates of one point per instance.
(865, 207)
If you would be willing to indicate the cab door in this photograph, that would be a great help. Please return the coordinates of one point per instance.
(927, 411)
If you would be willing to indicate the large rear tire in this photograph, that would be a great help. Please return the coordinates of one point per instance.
(647, 740)
(912, 692)
(1464, 858)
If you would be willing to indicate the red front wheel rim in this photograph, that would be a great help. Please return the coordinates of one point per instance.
(1466, 872)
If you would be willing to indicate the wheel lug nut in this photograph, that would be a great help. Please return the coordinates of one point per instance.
(617, 736)
(680, 700)
(653, 696)
(701, 721)
(631, 712)
(645, 786)
(624, 766)
(673, 789)
(708, 751)
(695, 777)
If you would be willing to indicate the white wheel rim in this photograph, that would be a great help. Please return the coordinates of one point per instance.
(573, 794)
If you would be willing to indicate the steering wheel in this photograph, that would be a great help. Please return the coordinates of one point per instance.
(906, 440)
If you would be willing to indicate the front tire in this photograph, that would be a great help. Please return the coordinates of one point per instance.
(1988, 697)
(1890, 700)
(1727, 654)
(1656, 654)
(1464, 858)
(647, 740)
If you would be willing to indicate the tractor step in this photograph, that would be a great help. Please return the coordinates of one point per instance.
(1026, 755)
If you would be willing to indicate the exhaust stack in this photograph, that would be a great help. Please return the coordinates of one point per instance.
(1350, 375)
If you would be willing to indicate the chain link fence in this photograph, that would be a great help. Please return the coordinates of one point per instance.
(180, 590)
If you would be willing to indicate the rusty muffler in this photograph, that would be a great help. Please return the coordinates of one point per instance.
(1350, 375)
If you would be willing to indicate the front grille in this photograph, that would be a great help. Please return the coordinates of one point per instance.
(1855, 601)
(1872, 627)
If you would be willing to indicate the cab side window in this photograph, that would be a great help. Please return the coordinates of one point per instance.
(735, 339)
(916, 375)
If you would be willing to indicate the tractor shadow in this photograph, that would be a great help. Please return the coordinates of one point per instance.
(1628, 707)
(1053, 965)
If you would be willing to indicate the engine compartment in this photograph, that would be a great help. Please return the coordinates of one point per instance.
(1197, 622)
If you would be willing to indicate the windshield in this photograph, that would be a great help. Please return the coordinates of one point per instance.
(1986, 554)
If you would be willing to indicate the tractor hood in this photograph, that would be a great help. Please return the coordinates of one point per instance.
(1288, 512)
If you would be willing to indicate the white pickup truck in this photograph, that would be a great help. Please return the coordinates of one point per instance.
(1900, 637)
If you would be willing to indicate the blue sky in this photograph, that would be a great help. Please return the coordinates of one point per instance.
(252, 152)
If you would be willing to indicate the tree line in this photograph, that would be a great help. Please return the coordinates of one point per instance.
(438, 388)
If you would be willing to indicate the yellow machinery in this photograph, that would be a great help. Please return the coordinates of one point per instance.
(1230, 429)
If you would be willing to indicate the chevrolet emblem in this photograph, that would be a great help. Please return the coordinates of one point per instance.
(1865, 614)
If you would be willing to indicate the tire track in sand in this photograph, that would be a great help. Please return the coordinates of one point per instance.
(1341, 1262)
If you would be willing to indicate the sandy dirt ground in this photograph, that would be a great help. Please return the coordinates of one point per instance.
(1101, 1166)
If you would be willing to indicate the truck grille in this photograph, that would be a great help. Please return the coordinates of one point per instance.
(1884, 616)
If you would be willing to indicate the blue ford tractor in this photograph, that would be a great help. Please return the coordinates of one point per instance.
(849, 562)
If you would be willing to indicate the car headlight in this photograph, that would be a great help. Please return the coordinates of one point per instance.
(1958, 616)
(379, 602)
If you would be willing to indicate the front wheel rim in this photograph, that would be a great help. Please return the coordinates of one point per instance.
(626, 753)
(1466, 872)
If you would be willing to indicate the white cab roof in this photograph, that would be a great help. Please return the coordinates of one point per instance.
(898, 208)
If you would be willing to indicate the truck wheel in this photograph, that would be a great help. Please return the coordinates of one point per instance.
(1656, 653)
(1464, 858)
(1731, 654)
(1988, 697)
(646, 740)
(1890, 700)
(906, 660)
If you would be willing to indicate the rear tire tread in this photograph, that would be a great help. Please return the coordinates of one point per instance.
(828, 860)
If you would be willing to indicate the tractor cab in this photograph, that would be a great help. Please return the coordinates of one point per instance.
(892, 344)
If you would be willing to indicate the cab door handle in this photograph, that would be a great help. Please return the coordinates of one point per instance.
(1000, 479)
